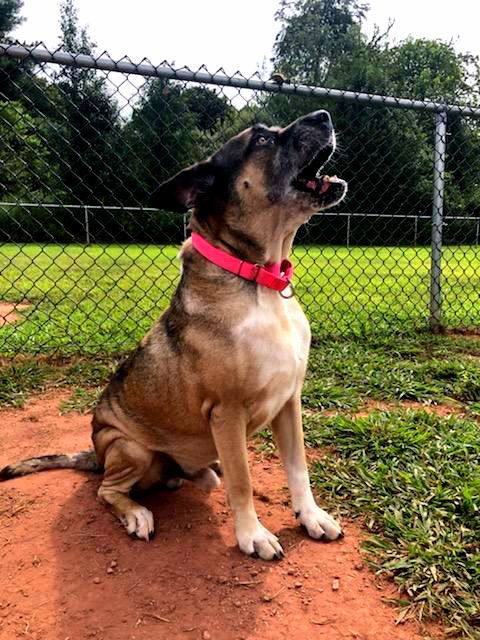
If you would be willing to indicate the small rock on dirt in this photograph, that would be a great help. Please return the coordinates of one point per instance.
(96, 580)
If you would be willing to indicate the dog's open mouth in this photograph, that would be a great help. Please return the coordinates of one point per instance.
(309, 180)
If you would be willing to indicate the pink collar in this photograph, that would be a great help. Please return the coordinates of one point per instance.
(276, 276)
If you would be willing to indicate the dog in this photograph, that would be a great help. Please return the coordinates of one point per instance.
(229, 355)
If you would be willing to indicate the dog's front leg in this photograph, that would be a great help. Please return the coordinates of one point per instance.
(229, 433)
(288, 431)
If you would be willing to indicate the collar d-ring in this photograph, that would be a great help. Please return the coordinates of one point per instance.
(291, 295)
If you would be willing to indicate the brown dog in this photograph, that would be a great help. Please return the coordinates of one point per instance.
(228, 357)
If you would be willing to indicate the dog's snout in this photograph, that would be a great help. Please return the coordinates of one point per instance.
(319, 119)
(322, 117)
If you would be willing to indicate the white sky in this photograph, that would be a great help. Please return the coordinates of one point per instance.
(228, 33)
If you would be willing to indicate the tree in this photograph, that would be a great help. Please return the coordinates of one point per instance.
(23, 155)
(315, 35)
(28, 174)
(158, 141)
(87, 118)
(10, 70)
(74, 39)
(430, 69)
(9, 15)
(209, 108)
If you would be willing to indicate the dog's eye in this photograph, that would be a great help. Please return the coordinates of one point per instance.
(263, 140)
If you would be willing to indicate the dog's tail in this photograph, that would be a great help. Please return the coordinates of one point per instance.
(83, 461)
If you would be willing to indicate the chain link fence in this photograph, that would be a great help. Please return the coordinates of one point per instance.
(86, 265)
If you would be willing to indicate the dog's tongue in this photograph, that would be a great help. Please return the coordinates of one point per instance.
(325, 185)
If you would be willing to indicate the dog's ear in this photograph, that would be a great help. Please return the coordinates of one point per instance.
(180, 193)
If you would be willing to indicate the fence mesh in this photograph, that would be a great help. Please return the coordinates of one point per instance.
(86, 265)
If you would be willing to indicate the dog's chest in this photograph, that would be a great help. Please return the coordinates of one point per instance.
(274, 341)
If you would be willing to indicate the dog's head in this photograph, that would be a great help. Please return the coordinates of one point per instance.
(260, 171)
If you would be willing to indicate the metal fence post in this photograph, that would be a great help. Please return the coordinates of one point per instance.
(437, 220)
(348, 231)
(87, 225)
(477, 235)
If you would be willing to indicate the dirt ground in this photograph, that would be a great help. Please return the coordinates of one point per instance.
(69, 571)
(9, 312)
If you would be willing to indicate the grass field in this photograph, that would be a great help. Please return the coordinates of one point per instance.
(102, 298)
(413, 476)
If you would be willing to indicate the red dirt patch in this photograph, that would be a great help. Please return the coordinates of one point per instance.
(8, 312)
(438, 409)
(379, 405)
(70, 571)
(460, 332)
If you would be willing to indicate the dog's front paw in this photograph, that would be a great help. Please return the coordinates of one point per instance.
(139, 522)
(319, 524)
(260, 542)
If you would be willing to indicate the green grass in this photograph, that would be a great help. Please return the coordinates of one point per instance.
(90, 300)
(345, 372)
(365, 290)
(416, 479)
(103, 298)
(20, 378)
(81, 401)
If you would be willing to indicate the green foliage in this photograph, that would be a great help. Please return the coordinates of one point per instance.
(314, 35)
(86, 117)
(9, 15)
(158, 140)
(74, 38)
(28, 172)
(430, 69)
(209, 108)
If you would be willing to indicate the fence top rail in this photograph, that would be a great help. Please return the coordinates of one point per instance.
(51, 205)
(40, 53)
(106, 207)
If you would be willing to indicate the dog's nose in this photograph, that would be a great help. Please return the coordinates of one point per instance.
(321, 116)
(320, 119)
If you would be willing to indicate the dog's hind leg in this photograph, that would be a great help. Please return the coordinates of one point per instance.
(125, 462)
